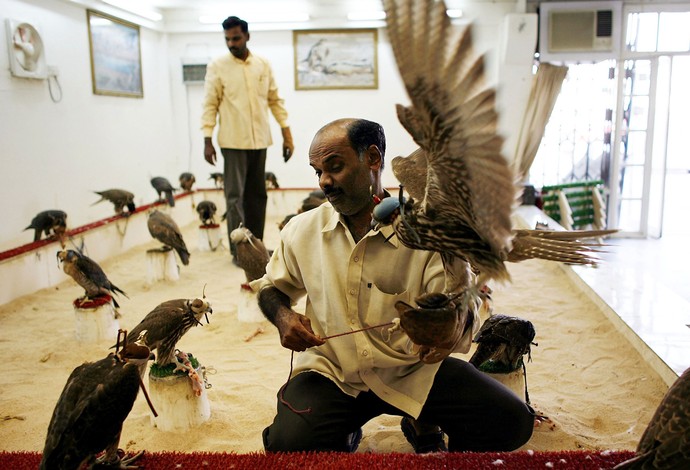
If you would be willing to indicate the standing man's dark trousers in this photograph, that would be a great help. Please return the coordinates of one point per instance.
(245, 190)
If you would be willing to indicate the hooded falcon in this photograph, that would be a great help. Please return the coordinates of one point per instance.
(504, 341)
(94, 404)
(166, 324)
(163, 186)
(666, 441)
(164, 229)
(120, 199)
(50, 222)
(88, 274)
(187, 180)
(252, 255)
(218, 179)
(462, 189)
(207, 212)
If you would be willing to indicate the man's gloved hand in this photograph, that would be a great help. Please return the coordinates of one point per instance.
(437, 325)
(288, 145)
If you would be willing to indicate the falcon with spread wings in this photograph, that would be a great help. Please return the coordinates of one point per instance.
(462, 188)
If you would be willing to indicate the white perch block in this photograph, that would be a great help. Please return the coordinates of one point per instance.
(513, 380)
(162, 266)
(91, 325)
(177, 405)
(248, 310)
(210, 237)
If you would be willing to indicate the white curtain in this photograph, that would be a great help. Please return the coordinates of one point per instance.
(546, 85)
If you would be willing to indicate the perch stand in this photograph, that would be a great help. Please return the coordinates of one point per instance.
(162, 266)
(177, 405)
(514, 380)
(95, 319)
(209, 237)
(248, 310)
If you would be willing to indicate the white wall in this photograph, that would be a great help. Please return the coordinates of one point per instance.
(55, 154)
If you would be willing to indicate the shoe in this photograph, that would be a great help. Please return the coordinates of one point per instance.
(425, 442)
(353, 440)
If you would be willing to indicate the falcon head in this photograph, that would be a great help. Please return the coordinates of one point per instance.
(67, 256)
(240, 234)
(199, 308)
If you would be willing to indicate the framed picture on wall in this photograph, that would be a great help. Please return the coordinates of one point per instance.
(115, 56)
(331, 59)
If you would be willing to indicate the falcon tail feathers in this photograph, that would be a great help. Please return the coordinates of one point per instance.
(564, 246)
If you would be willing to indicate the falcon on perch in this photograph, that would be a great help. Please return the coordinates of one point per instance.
(187, 180)
(164, 229)
(163, 186)
(89, 414)
(88, 274)
(51, 223)
(120, 199)
(167, 323)
(207, 212)
(252, 255)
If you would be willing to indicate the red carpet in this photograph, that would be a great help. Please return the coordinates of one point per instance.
(580, 460)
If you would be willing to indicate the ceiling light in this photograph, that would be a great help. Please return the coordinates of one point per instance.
(366, 15)
(454, 13)
(267, 17)
(136, 8)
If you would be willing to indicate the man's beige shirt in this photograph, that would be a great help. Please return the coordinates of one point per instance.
(351, 286)
(239, 93)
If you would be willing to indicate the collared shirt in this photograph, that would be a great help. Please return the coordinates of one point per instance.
(240, 93)
(351, 286)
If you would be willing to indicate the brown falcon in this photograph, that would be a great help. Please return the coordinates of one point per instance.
(462, 189)
(207, 212)
(164, 229)
(89, 414)
(165, 325)
(51, 223)
(252, 255)
(88, 274)
(120, 199)
(163, 186)
(665, 444)
(187, 180)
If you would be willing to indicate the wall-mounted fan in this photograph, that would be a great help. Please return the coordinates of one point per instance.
(26, 52)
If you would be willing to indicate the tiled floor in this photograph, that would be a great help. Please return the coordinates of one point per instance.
(647, 284)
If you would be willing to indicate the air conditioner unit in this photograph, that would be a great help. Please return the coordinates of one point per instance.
(579, 31)
(194, 70)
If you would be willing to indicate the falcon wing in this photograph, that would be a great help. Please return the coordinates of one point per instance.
(665, 441)
(92, 271)
(454, 122)
(160, 322)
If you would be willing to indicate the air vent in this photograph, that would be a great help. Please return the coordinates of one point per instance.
(193, 73)
(604, 23)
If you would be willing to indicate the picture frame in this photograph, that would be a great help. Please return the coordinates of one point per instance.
(115, 49)
(336, 59)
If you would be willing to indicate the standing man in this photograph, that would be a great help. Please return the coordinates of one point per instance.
(352, 277)
(240, 89)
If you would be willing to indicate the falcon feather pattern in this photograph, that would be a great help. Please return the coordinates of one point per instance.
(463, 191)
(89, 414)
(88, 274)
(167, 323)
(164, 229)
(665, 443)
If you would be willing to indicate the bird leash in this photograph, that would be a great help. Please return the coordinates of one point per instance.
(281, 392)
(122, 339)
